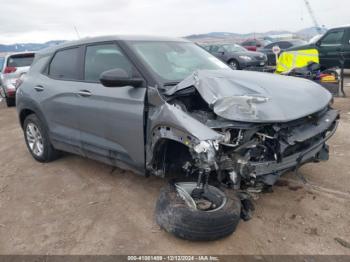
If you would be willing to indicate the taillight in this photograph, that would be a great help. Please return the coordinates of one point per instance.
(10, 69)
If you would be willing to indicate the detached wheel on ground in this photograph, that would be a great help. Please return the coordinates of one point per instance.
(37, 140)
(10, 102)
(213, 217)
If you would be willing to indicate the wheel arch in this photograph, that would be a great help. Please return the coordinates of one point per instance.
(24, 113)
(168, 144)
(28, 108)
(233, 59)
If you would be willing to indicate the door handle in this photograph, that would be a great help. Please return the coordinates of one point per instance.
(39, 88)
(84, 93)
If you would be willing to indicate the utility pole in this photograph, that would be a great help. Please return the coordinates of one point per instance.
(313, 17)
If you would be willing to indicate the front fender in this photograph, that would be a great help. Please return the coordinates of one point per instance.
(170, 122)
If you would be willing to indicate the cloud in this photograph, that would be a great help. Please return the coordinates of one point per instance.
(41, 20)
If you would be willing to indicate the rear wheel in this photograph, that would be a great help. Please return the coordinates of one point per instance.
(37, 140)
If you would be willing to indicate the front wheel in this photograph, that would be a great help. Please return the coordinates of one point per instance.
(233, 64)
(37, 140)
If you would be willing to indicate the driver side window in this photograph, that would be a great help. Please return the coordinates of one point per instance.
(221, 49)
(333, 38)
(101, 58)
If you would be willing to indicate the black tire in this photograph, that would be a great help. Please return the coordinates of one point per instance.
(174, 216)
(10, 102)
(232, 62)
(49, 153)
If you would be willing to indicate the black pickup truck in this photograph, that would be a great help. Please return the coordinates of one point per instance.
(331, 46)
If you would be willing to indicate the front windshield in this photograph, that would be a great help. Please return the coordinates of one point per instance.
(298, 42)
(174, 61)
(234, 48)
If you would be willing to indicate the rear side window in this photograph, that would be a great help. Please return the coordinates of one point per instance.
(100, 58)
(333, 38)
(20, 60)
(214, 48)
(65, 64)
(285, 45)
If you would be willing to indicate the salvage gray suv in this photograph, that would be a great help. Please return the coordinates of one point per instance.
(166, 107)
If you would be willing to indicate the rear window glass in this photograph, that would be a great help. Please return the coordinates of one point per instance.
(20, 61)
(64, 64)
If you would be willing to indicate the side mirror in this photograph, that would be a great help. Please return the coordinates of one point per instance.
(118, 78)
(258, 45)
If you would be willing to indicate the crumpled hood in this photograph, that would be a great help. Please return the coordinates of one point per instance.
(254, 96)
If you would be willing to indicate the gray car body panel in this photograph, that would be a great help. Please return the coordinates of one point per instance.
(100, 126)
(121, 126)
(280, 98)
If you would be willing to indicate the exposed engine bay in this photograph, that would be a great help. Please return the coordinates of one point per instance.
(240, 154)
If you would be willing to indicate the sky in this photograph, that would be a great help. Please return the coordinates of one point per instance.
(42, 20)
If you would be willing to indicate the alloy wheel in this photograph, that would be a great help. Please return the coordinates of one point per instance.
(233, 65)
(34, 139)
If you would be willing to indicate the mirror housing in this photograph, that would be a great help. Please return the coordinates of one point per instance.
(118, 78)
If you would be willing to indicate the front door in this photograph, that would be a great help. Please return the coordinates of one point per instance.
(346, 49)
(111, 119)
(330, 46)
(219, 52)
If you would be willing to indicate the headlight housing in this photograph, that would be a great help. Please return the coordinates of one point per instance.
(246, 58)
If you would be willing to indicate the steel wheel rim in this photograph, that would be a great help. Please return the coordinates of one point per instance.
(34, 139)
(233, 65)
(184, 189)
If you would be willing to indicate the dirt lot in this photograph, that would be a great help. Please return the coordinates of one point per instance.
(79, 206)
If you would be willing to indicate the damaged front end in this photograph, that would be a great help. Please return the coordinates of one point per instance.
(234, 138)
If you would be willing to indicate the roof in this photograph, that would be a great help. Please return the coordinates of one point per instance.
(8, 54)
(340, 26)
(88, 40)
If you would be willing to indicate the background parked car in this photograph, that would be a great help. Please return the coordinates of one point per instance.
(331, 46)
(2, 59)
(14, 67)
(236, 56)
(283, 45)
(254, 44)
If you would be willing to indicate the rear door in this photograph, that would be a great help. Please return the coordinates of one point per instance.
(111, 119)
(57, 93)
(330, 46)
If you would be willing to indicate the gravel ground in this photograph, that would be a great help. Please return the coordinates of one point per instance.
(79, 206)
